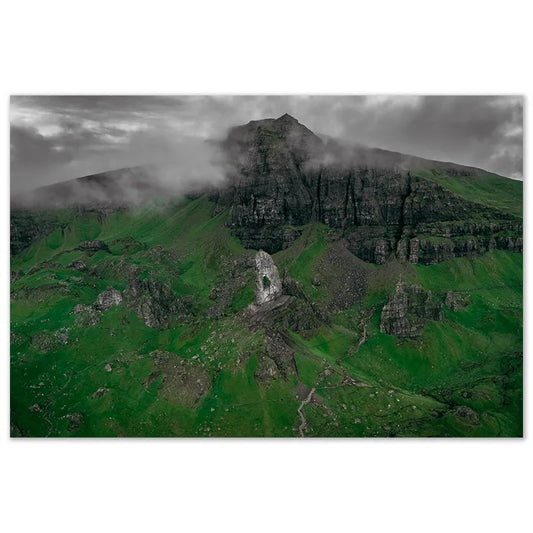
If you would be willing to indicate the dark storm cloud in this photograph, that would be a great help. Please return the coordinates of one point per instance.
(54, 138)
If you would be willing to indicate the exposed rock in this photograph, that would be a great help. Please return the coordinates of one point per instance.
(108, 367)
(456, 301)
(292, 287)
(100, 392)
(277, 358)
(35, 408)
(43, 342)
(408, 310)
(285, 176)
(17, 338)
(467, 415)
(344, 277)
(268, 282)
(154, 302)
(108, 299)
(88, 316)
(78, 265)
(113, 269)
(27, 227)
(93, 246)
(239, 273)
(62, 335)
(75, 420)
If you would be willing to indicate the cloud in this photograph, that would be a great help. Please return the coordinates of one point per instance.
(55, 138)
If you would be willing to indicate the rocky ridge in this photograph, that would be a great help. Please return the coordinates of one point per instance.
(284, 177)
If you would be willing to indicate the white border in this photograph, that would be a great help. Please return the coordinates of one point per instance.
(275, 47)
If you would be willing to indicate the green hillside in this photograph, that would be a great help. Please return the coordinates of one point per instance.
(200, 374)
(483, 188)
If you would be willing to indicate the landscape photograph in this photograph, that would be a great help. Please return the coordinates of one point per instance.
(285, 266)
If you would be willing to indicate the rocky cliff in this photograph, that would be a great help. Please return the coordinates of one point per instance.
(408, 310)
(284, 176)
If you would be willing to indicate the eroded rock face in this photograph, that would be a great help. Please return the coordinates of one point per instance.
(154, 302)
(285, 176)
(268, 282)
(276, 360)
(108, 299)
(408, 310)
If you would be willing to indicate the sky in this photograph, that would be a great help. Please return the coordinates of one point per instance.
(56, 138)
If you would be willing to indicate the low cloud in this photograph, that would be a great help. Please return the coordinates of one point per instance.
(57, 138)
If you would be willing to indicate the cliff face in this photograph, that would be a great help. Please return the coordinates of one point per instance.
(408, 310)
(284, 177)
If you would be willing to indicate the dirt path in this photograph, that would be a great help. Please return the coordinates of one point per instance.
(303, 425)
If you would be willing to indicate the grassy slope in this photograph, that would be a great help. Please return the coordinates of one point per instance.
(472, 358)
(485, 188)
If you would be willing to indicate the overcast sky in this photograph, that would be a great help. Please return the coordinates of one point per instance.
(54, 138)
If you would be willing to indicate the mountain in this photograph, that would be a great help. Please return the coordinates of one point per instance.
(381, 202)
(321, 290)
(116, 188)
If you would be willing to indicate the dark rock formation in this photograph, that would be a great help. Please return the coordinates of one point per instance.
(284, 176)
(93, 246)
(27, 227)
(78, 265)
(408, 310)
(277, 359)
(343, 276)
(154, 302)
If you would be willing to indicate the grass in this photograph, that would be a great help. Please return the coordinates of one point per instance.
(412, 387)
(484, 188)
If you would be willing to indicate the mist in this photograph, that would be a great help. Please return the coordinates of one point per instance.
(59, 138)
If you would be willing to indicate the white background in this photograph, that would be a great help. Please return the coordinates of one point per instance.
(65, 47)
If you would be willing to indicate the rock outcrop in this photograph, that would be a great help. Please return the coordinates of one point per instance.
(456, 301)
(277, 359)
(268, 282)
(408, 310)
(93, 246)
(86, 315)
(109, 298)
(154, 302)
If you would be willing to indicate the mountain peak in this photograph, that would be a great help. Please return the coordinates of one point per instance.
(287, 119)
